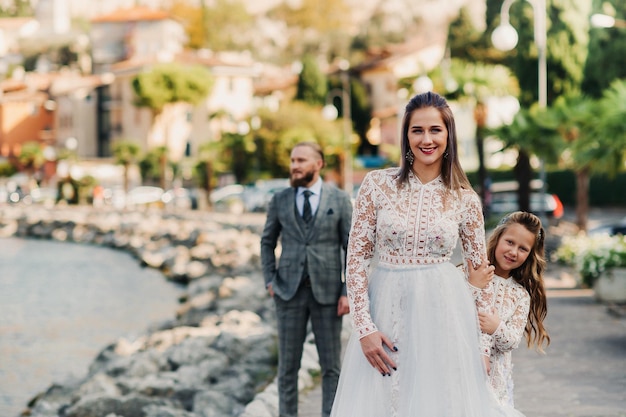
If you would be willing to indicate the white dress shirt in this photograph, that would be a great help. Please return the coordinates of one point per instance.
(314, 199)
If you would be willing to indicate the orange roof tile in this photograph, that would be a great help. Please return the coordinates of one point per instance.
(132, 15)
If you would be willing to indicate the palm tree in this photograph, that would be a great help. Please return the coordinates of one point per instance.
(529, 136)
(164, 86)
(126, 153)
(478, 82)
(595, 136)
(31, 157)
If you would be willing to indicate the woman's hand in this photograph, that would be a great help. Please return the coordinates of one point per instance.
(480, 276)
(373, 346)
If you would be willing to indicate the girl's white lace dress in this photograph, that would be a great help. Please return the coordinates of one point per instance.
(401, 282)
(512, 303)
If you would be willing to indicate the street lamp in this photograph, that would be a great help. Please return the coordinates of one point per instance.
(329, 112)
(599, 20)
(504, 37)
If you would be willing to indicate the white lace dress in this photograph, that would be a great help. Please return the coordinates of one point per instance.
(400, 281)
(512, 302)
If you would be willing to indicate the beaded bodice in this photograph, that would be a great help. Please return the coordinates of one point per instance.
(407, 225)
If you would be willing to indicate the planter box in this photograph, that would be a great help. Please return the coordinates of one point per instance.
(611, 286)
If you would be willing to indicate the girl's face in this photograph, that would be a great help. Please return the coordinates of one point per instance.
(512, 249)
(428, 137)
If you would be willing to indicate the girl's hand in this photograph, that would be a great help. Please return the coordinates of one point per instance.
(480, 276)
(489, 321)
(487, 364)
(373, 346)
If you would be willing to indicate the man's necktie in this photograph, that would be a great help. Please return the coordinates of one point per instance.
(307, 213)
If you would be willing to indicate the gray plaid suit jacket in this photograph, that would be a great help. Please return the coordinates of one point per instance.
(323, 247)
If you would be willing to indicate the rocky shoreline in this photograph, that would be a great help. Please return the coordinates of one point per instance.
(216, 357)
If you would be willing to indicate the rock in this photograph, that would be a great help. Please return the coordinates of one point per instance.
(216, 353)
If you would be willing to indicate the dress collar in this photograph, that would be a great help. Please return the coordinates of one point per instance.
(415, 178)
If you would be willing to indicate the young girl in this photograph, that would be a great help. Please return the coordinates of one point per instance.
(516, 249)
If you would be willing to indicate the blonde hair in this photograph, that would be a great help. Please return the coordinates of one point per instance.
(529, 275)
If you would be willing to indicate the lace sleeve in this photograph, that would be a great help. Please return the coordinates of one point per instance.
(472, 230)
(472, 235)
(510, 332)
(359, 256)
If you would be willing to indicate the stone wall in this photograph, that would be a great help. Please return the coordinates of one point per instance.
(217, 356)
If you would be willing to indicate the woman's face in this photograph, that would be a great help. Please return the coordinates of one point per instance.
(512, 249)
(428, 137)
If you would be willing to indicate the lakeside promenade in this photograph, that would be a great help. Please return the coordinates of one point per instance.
(582, 374)
(583, 371)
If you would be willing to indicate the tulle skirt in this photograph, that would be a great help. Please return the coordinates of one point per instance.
(428, 312)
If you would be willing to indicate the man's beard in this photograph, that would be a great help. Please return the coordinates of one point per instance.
(302, 181)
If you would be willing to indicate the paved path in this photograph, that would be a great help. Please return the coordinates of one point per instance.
(582, 374)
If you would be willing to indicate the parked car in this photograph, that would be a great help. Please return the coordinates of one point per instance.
(236, 198)
(228, 198)
(612, 229)
(257, 197)
(180, 198)
(44, 195)
(144, 196)
(504, 200)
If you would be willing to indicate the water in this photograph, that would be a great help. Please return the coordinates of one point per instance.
(61, 303)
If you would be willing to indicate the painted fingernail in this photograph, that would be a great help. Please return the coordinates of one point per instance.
(395, 369)
(395, 348)
(383, 374)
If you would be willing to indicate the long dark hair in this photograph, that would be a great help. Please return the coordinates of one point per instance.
(529, 275)
(451, 172)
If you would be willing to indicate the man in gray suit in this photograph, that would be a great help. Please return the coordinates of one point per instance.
(313, 220)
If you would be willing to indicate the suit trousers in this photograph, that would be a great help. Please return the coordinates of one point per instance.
(292, 320)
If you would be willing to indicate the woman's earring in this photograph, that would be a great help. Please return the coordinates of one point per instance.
(445, 155)
(409, 157)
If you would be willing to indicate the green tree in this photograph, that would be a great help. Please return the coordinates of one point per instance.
(595, 134)
(31, 157)
(192, 18)
(17, 8)
(611, 129)
(226, 24)
(567, 48)
(605, 46)
(153, 166)
(469, 43)
(167, 84)
(319, 27)
(529, 136)
(312, 83)
(475, 82)
(377, 33)
(292, 123)
(126, 153)
(567, 40)
(572, 119)
(205, 168)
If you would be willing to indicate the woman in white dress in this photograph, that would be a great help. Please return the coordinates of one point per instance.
(415, 350)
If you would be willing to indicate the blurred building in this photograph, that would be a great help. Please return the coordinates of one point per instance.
(136, 33)
(185, 127)
(49, 109)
